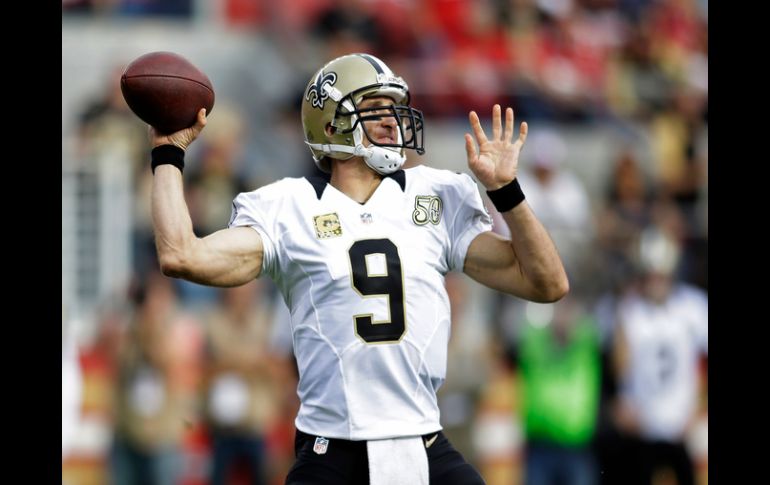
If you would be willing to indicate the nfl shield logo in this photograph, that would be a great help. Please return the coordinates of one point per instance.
(321, 445)
(366, 218)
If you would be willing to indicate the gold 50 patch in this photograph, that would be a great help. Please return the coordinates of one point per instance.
(427, 208)
(327, 225)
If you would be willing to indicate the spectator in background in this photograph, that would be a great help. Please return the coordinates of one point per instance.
(243, 383)
(156, 377)
(680, 147)
(680, 158)
(559, 199)
(625, 211)
(559, 362)
(661, 333)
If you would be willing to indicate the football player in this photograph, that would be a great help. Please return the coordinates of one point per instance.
(360, 255)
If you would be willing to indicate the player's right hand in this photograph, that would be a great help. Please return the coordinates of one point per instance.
(181, 138)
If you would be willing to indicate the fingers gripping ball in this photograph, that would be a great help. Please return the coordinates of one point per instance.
(166, 91)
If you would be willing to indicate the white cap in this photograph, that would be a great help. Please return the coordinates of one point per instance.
(548, 149)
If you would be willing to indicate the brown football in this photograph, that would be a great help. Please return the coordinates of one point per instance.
(166, 91)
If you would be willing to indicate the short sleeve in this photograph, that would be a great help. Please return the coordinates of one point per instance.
(250, 210)
(470, 218)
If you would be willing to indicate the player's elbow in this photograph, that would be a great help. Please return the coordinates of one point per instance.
(178, 258)
(170, 267)
(172, 264)
(548, 290)
(560, 289)
(555, 290)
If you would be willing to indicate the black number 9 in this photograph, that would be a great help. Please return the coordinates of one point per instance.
(389, 284)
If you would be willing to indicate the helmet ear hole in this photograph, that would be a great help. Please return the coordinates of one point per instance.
(330, 130)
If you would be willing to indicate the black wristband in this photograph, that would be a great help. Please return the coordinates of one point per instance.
(168, 154)
(507, 197)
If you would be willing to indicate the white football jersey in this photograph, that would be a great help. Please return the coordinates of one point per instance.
(664, 343)
(365, 287)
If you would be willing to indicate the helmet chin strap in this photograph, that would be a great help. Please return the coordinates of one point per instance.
(383, 160)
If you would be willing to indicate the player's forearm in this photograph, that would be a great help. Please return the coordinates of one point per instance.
(171, 220)
(536, 253)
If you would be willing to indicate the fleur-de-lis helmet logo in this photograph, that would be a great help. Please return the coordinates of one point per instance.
(316, 93)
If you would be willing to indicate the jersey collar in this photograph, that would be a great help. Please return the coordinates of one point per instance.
(319, 181)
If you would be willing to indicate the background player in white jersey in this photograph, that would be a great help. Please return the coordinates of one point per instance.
(360, 257)
(661, 335)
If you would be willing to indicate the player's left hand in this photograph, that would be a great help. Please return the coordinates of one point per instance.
(496, 163)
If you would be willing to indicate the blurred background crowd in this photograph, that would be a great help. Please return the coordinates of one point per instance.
(170, 382)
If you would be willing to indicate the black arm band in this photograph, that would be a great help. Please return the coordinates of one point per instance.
(507, 197)
(170, 154)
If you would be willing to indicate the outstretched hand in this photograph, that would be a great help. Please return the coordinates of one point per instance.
(181, 138)
(496, 163)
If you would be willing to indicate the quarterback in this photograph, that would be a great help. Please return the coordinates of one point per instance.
(360, 256)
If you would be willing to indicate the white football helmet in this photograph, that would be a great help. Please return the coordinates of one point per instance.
(332, 97)
(658, 252)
